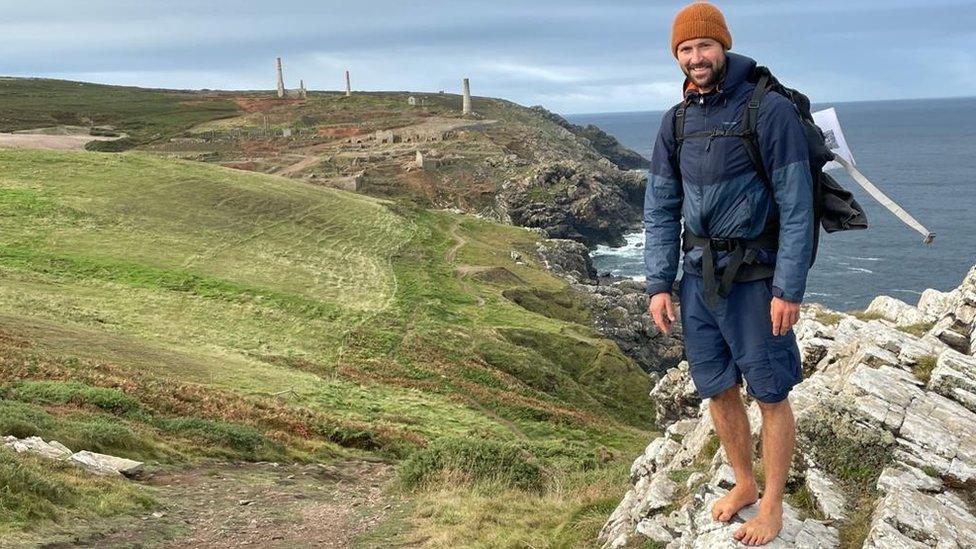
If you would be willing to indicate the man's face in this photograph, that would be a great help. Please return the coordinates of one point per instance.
(702, 60)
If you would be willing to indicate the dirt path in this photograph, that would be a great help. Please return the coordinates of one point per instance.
(260, 505)
(305, 162)
(41, 141)
(458, 241)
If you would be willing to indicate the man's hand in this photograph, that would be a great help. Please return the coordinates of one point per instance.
(662, 311)
(784, 315)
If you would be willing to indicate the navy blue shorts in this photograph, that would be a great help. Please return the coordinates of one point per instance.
(735, 340)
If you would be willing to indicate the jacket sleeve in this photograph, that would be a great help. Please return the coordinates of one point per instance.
(662, 213)
(785, 153)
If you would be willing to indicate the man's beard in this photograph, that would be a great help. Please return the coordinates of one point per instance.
(714, 76)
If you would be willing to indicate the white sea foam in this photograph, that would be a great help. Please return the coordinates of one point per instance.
(634, 245)
(865, 258)
(915, 292)
(860, 270)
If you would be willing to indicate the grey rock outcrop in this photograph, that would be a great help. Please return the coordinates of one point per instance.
(99, 464)
(604, 143)
(899, 407)
(567, 258)
(618, 309)
(591, 202)
(37, 446)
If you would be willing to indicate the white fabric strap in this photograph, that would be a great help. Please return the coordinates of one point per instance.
(881, 197)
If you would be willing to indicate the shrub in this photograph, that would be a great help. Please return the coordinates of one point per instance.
(103, 132)
(102, 434)
(115, 145)
(242, 438)
(473, 460)
(72, 392)
(23, 420)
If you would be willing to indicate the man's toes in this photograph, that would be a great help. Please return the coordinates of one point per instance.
(740, 533)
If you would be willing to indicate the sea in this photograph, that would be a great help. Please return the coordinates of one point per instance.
(921, 153)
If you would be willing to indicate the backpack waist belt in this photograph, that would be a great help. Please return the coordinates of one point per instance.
(742, 266)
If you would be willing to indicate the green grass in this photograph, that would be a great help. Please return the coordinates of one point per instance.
(918, 329)
(167, 310)
(708, 451)
(34, 489)
(866, 316)
(827, 318)
(144, 114)
(855, 458)
(923, 367)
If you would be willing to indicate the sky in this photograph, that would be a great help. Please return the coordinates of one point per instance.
(571, 56)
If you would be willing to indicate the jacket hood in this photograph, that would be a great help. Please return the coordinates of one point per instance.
(737, 70)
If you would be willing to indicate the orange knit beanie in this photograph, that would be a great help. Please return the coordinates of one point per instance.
(699, 20)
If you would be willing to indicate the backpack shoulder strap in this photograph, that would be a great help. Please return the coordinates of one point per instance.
(678, 125)
(749, 121)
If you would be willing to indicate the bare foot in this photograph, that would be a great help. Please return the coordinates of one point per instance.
(763, 527)
(738, 497)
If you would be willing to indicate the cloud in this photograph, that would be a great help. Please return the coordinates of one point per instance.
(570, 55)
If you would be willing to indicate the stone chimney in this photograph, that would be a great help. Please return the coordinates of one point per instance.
(466, 92)
(281, 79)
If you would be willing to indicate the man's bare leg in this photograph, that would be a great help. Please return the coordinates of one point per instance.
(732, 426)
(778, 437)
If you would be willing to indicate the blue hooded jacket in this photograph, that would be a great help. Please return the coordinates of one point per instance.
(719, 193)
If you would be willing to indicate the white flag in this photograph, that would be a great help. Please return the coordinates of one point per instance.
(834, 136)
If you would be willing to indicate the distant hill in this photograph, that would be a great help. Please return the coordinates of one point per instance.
(145, 114)
(511, 163)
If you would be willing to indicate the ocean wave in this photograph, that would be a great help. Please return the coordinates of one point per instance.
(819, 294)
(865, 258)
(633, 247)
(915, 292)
(860, 270)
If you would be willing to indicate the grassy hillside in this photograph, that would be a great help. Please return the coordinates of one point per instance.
(170, 311)
(144, 114)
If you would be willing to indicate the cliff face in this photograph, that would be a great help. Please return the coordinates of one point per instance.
(606, 144)
(886, 438)
(587, 202)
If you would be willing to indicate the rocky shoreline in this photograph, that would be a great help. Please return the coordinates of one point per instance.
(618, 305)
(886, 438)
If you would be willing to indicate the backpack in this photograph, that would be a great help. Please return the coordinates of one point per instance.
(834, 208)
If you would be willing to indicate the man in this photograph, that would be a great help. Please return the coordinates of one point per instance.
(759, 227)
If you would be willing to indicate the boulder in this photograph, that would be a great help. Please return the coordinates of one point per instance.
(101, 464)
(895, 310)
(37, 446)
